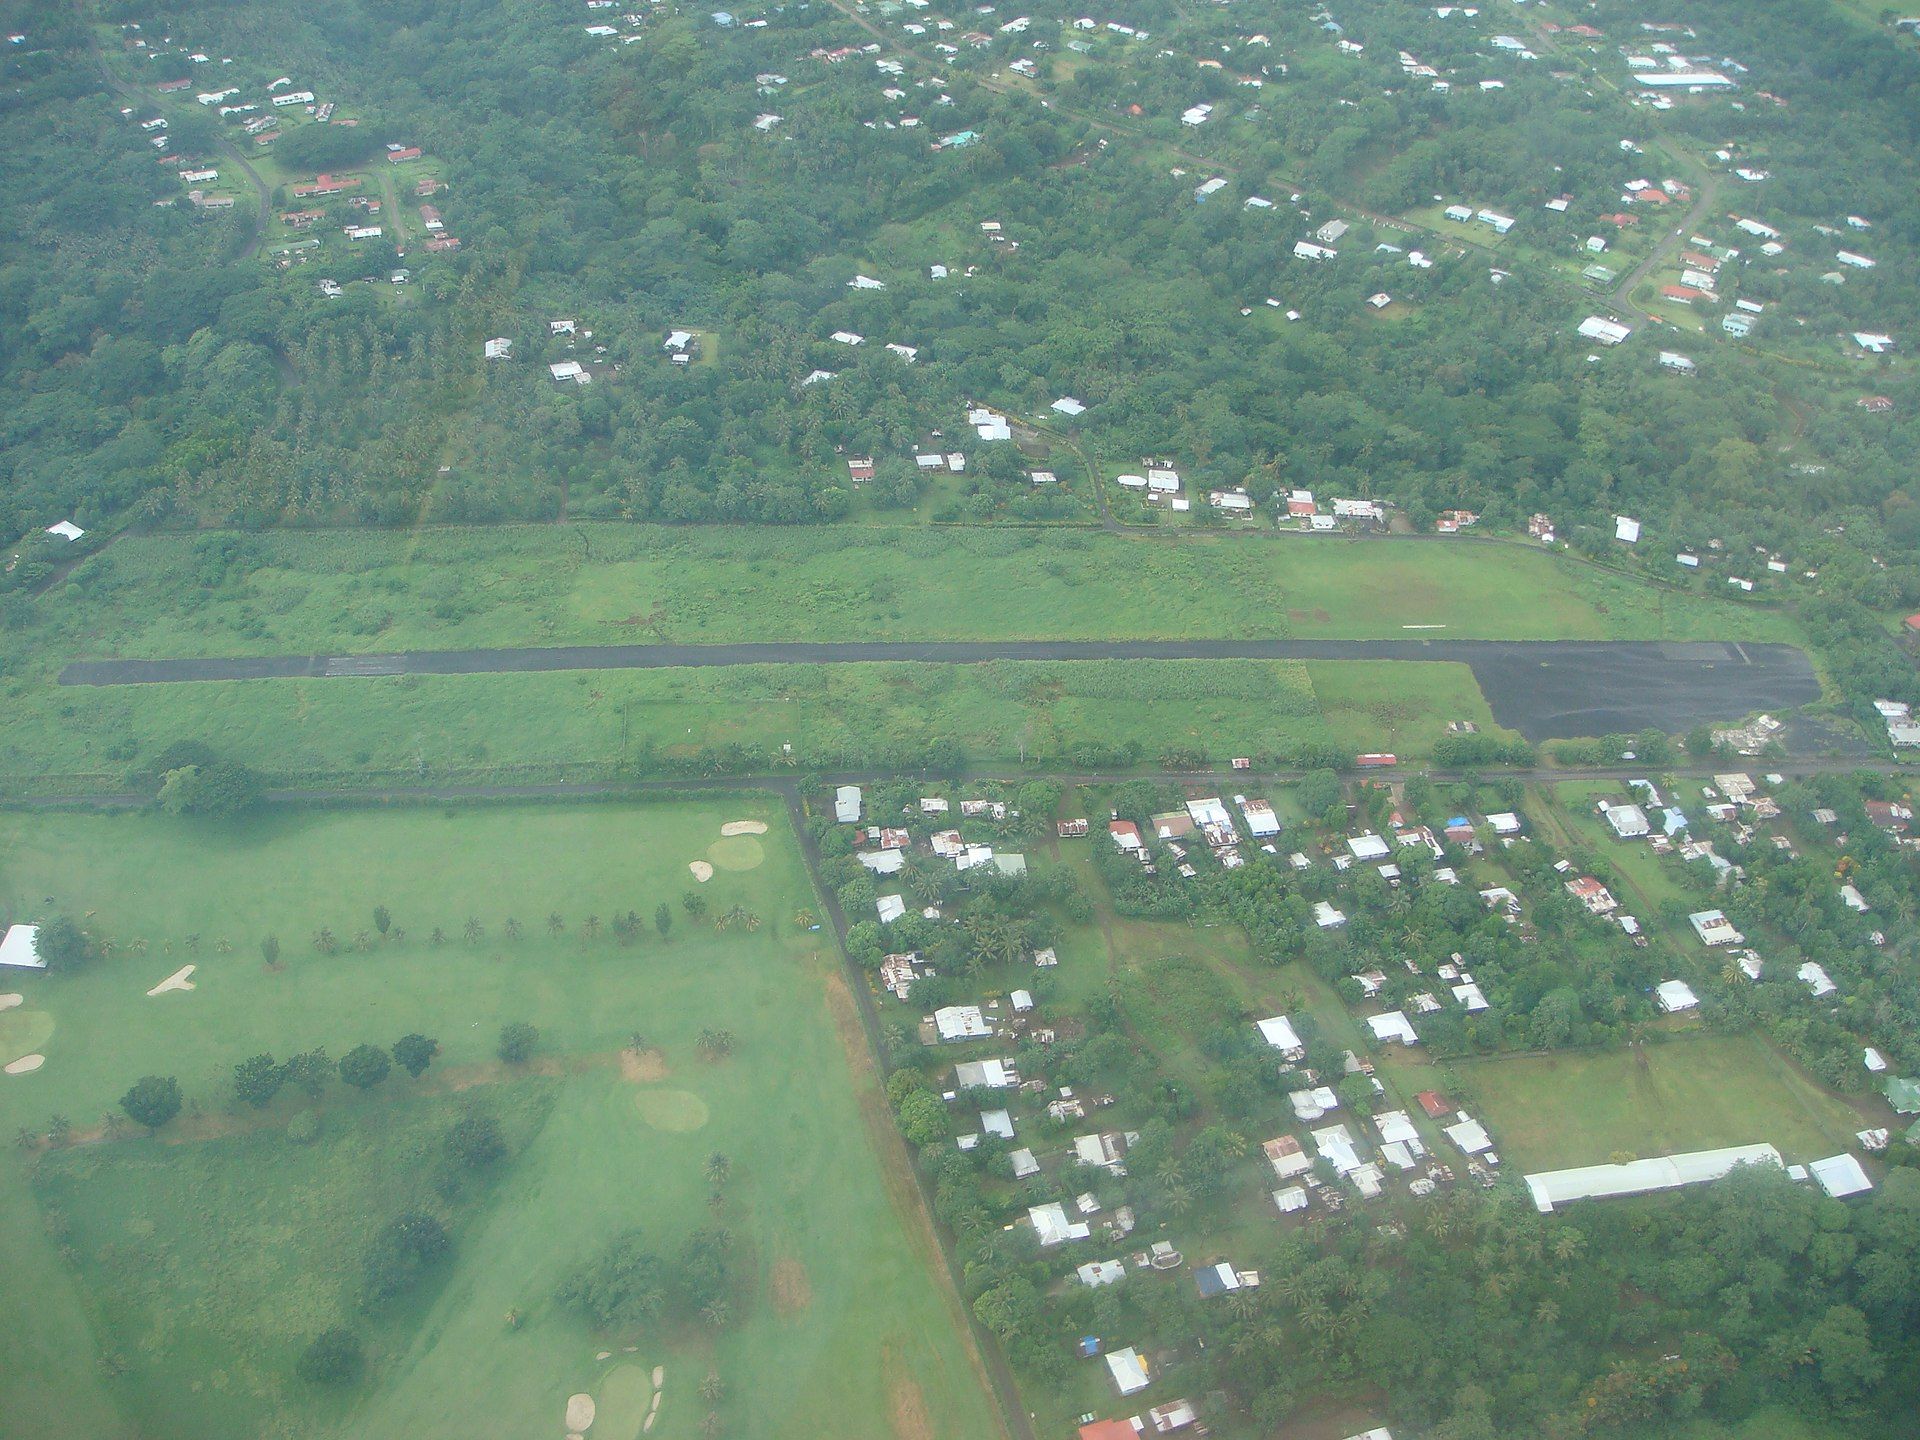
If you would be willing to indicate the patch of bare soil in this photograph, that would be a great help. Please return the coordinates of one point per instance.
(792, 1292)
(906, 1406)
(642, 1067)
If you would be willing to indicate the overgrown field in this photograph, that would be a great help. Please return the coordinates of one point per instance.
(1088, 713)
(163, 1286)
(220, 594)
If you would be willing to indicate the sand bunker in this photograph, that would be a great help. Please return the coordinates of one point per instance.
(579, 1413)
(181, 979)
(26, 1064)
(9, 1001)
(675, 1111)
(736, 852)
(604, 1355)
(22, 1032)
(744, 827)
(702, 871)
(659, 1377)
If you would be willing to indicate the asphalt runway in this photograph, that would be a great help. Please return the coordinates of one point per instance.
(1546, 690)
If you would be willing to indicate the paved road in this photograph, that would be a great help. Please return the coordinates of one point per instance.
(1544, 689)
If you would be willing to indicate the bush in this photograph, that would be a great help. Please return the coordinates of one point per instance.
(152, 1101)
(413, 1053)
(333, 1358)
(404, 1250)
(517, 1042)
(218, 790)
(475, 1140)
(63, 944)
(625, 1285)
(325, 147)
(923, 1118)
(365, 1066)
(258, 1079)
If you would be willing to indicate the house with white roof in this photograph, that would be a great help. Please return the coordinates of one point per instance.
(1051, 1226)
(1713, 928)
(1640, 1177)
(1129, 1371)
(20, 949)
(1278, 1031)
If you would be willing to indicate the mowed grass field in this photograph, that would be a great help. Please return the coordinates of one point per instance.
(1689, 1093)
(834, 717)
(534, 585)
(162, 1287)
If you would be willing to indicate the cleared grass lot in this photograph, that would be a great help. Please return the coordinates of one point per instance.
(199, 1262)
(1692, 1093)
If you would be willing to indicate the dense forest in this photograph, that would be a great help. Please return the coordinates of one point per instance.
(159, 367)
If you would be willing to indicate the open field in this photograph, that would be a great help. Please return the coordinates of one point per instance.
(834, 716)
(199, 1263)
(461, 588)
(1694, 1093)
(329, 593)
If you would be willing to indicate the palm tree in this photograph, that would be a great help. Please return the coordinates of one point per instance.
(713, 1426)
(590, 927)
(1244, 1303)
(1177, 1198)
(555, 924)
(717, 1169)
(713, 1389)
(474, 930)
(511, 928)
(716, 1313)
(637, 1043)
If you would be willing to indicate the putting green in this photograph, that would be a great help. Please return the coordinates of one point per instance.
(677, 1111)
(736, 852)
(22, 1032)
(624, 1399)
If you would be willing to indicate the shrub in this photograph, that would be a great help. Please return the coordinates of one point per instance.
(334, 1357)
(517, 1042)
(624, 1285)
(404, 1250)
(365, 1066)
(152, 1101)
(475, 1140)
